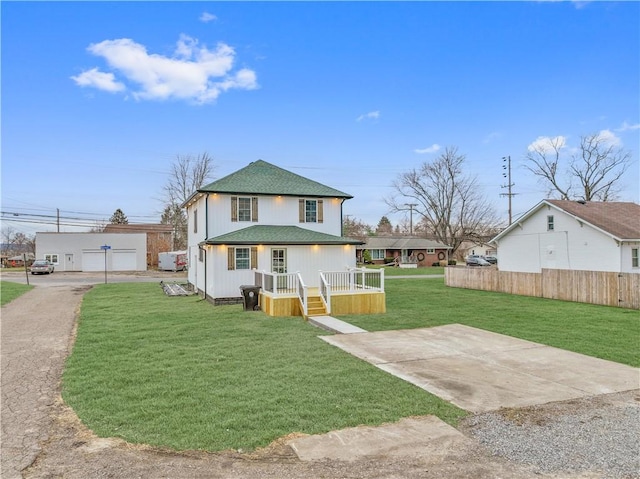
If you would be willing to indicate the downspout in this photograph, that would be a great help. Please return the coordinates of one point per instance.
(206, 237)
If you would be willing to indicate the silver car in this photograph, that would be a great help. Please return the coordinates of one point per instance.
(41, 266)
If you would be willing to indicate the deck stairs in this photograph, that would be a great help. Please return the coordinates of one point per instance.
(315, 306)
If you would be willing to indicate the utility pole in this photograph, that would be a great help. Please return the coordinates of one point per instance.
(411, 205)
(506, 160)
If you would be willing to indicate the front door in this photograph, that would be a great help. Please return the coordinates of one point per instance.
(68, 262)
(279, 265)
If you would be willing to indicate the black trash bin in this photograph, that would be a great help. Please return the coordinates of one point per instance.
(250, 297)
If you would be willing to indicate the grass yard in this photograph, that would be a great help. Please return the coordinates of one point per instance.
(10, 291)
(600, 331)
(178, 372)
(391, 271)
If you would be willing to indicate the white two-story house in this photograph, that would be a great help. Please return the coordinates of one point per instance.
(267, 226)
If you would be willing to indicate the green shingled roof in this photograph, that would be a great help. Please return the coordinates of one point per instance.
(262, 178)
(264, 234)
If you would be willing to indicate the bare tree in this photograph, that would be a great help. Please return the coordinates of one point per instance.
(354, 228)
(188, 173)
(177, 217)
(591, 174)
(449, 203)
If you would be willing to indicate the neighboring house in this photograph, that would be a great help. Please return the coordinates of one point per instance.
(403, 250)
(266, 226)
(93, 251)
(469, 247)
(572, 235)
(159, 237)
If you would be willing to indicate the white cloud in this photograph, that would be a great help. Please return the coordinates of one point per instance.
(207, 17)
(547, 144)
(626, 126)
(430, 149)
(97, 79)
(372, 115)
(607, 136)
(193, 73)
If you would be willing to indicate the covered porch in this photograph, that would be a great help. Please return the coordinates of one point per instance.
(354, 291)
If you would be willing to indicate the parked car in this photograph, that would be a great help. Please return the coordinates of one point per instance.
(491, 259)
(475, 260)
(41, 266)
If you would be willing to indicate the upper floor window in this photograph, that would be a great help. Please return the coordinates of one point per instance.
(634, 257)
(244, 208)
(550, 223)
(311, 211)
(431, 251)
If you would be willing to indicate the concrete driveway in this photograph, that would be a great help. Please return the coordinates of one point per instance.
(481, 371)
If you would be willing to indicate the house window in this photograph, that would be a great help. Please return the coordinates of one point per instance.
(431, 251)
(243, 258)
(311, 211)
(201, 254)
(550, 223)
(244, 208)
(377, 254)
(634, 257)
(195, 220)
(51, 258)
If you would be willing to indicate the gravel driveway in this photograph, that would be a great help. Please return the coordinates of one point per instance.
(43, 438)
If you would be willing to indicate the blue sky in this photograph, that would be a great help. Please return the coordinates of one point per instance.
(99, 98)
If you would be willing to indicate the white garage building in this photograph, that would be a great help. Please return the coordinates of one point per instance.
(91, 251)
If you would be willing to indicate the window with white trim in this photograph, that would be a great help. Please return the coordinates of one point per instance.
(51, 258)
(310, 211)
(635, 261)
(377, 254)
(244, 209)
(243, 258)
(550, 225)
(431, 251)
(201, 253)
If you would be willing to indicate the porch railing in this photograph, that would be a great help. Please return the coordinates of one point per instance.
(350, 280)
(325, 292)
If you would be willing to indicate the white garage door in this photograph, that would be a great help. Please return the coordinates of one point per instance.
(124, 260)
(92, 260)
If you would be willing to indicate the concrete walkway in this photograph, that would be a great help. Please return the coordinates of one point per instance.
(482, 371)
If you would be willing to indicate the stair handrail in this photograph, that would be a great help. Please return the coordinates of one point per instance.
(325, 292)
(303, 294)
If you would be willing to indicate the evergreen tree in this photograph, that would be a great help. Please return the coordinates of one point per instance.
(118, 218)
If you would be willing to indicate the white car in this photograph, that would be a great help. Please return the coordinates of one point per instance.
(41, 266)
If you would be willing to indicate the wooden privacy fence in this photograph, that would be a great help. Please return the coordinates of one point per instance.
(595, 287)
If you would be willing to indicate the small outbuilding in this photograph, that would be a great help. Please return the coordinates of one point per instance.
(93, 251)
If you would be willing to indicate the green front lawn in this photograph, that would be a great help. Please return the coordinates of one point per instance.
(178, 372)
(10, 291)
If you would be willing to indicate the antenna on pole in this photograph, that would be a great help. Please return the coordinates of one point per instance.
(507, 174)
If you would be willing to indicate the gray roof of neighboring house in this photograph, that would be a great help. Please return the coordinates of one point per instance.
(262, 178)
(401, 242)
(619, 219)
(289, 235)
